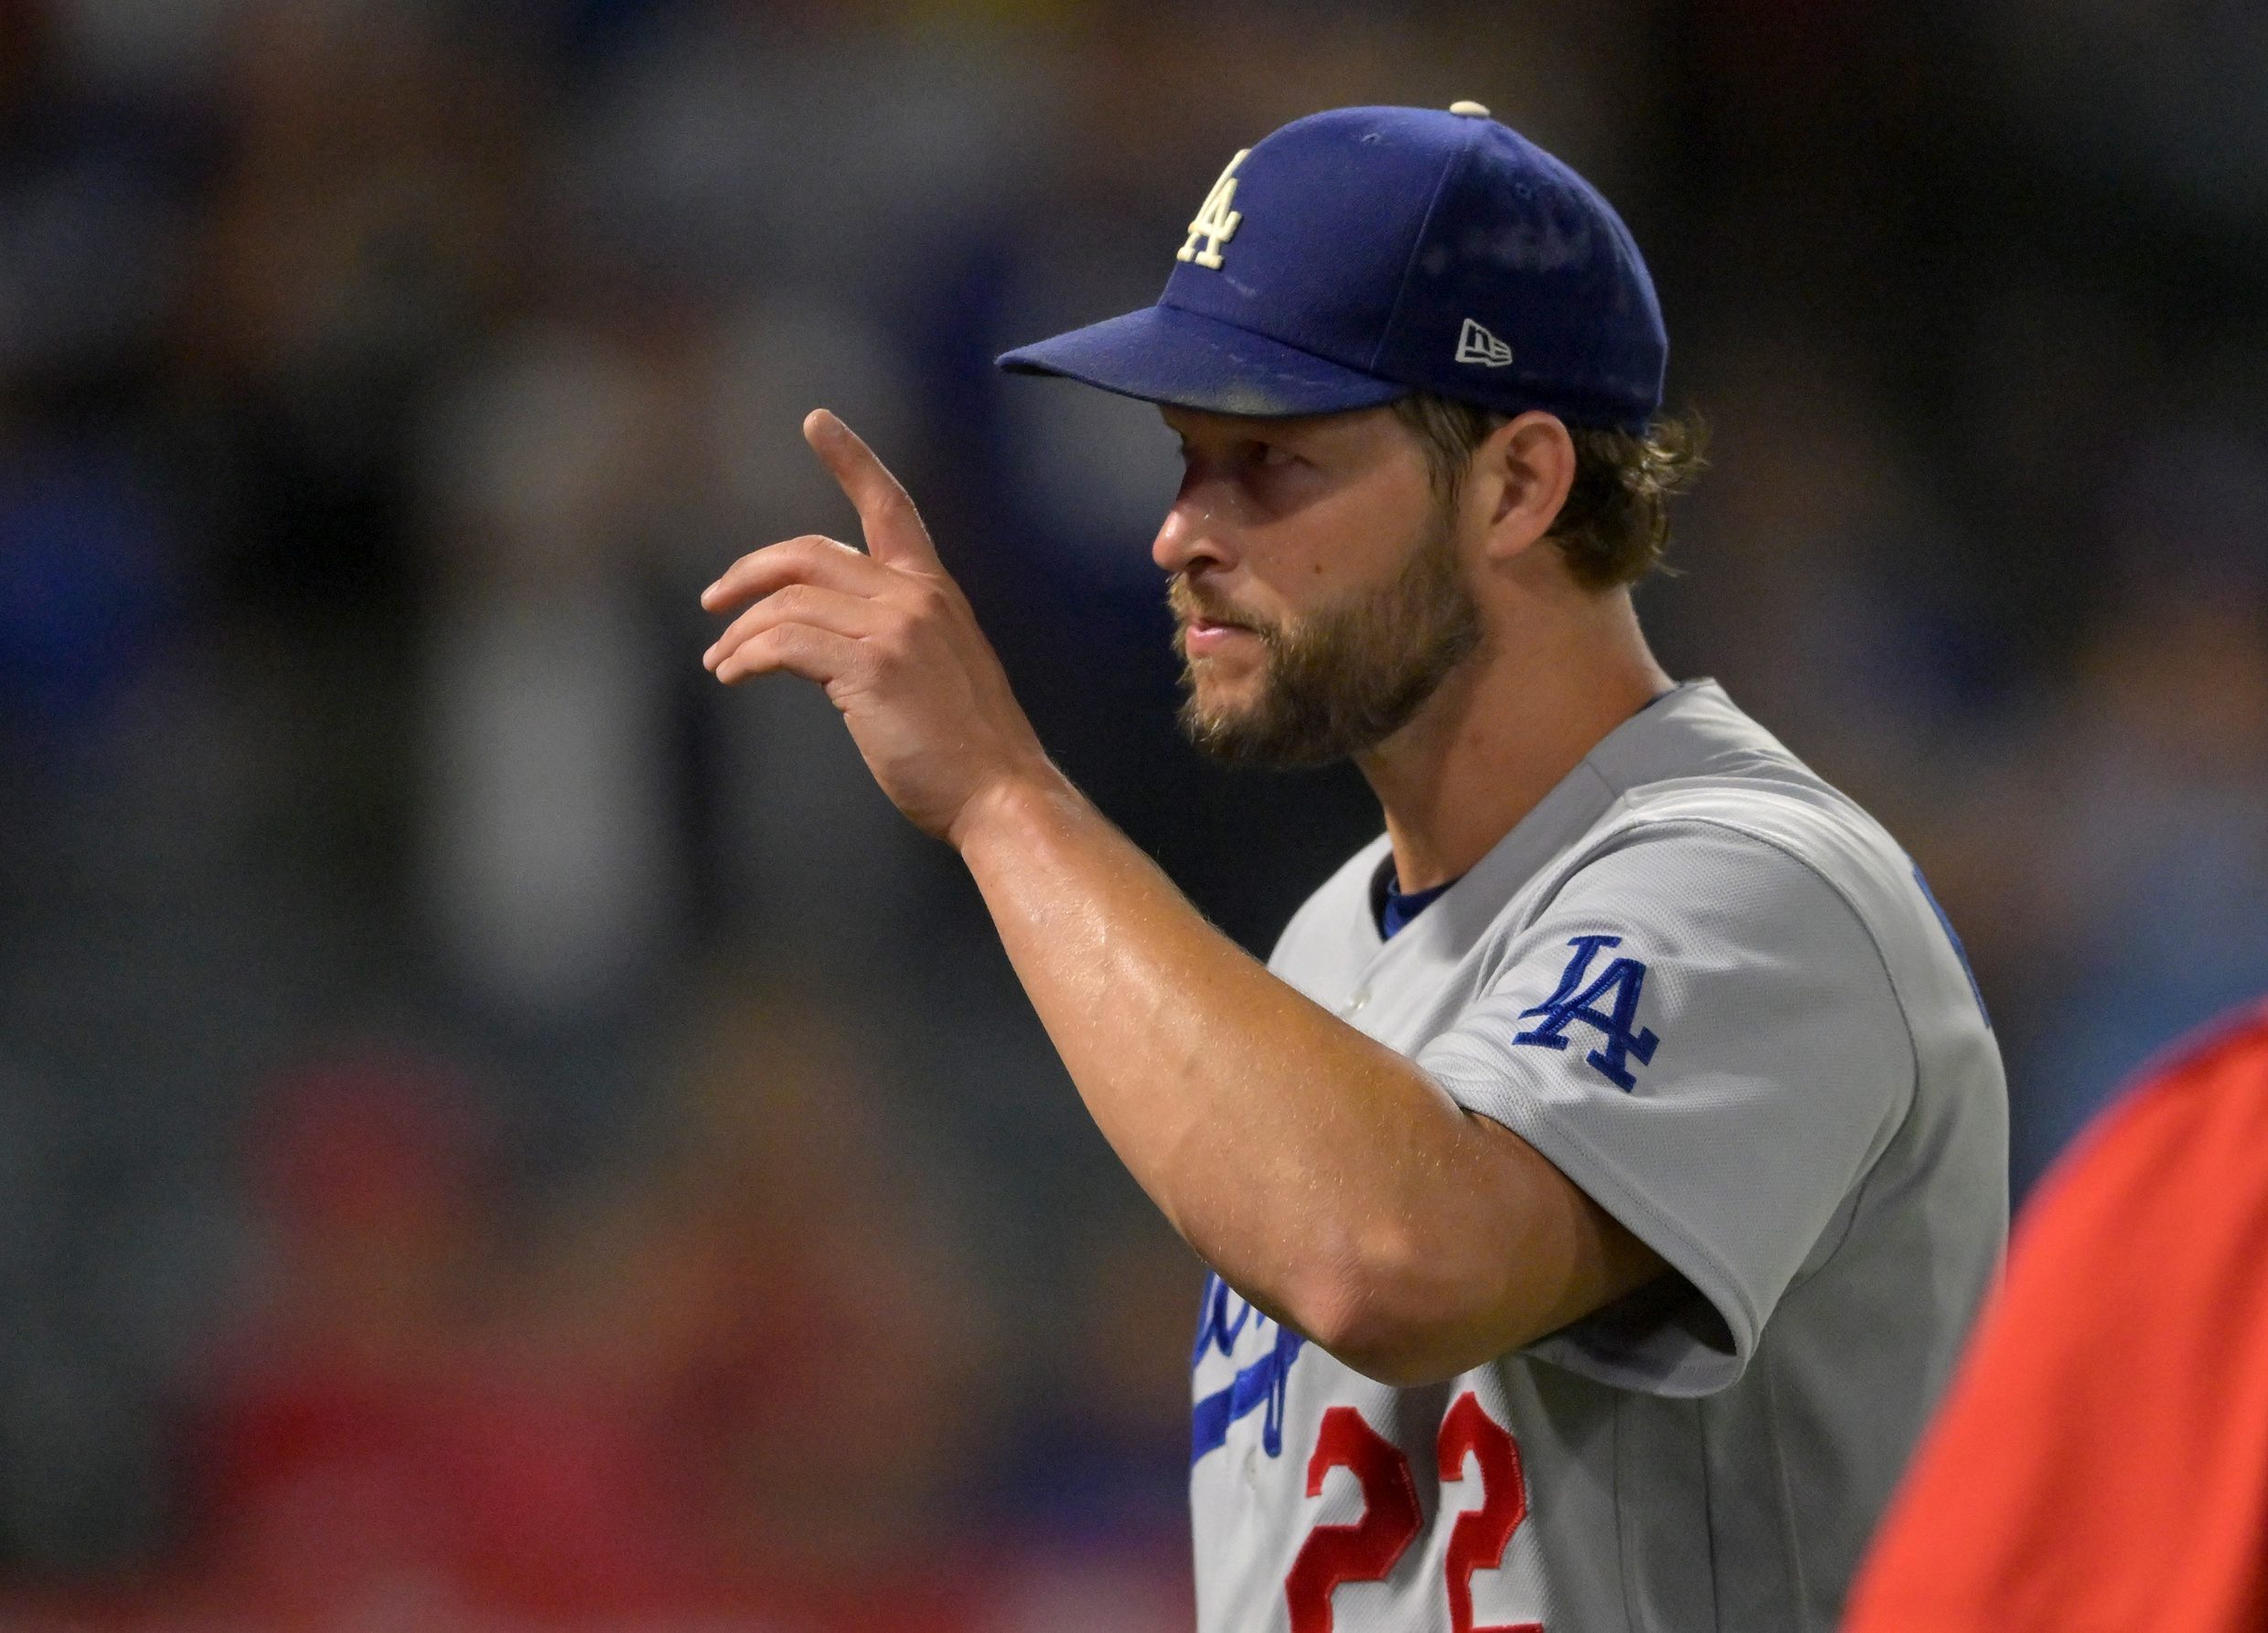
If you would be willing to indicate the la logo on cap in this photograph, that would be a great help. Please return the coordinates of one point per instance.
(1215, 222)
(1476, 345)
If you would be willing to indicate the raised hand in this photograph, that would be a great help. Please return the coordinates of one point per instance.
(891, 640)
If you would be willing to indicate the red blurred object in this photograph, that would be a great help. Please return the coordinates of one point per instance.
(2102, 1460)
(714, 1394)
(351, 1144)
(392, 1422)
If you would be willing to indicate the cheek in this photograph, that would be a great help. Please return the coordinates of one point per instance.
(1363, 535)
(1281, 591)
(1340, 543)
(1321, 565)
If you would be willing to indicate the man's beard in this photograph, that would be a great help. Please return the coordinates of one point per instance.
(1341, 681)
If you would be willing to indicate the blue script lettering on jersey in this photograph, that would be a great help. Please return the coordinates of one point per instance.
(1263, 1383)
(1623, 981)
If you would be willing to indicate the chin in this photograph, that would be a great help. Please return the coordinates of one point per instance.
(1235, 721)
(1218, 698)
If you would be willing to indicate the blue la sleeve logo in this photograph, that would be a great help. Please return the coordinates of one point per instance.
(1620, 983)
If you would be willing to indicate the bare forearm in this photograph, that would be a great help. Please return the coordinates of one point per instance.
(1327, 1178)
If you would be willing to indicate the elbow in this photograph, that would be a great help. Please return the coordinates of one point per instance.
(1398, 1357)
(1405, 1315)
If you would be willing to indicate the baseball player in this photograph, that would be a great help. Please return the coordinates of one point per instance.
(1601, 1176)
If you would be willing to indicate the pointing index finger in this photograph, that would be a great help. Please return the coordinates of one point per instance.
(895, 533)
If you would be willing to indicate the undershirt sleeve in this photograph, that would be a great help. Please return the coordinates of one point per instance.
(1699, 1032)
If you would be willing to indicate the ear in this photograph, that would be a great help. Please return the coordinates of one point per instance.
(1519, 480)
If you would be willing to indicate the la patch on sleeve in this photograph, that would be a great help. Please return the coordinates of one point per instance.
(1606, 1003)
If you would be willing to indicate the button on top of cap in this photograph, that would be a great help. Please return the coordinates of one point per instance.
(1469, 109)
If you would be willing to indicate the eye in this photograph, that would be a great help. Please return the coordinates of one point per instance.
(1269, 455)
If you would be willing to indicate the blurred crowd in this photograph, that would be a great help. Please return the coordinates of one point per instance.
(496, 1129)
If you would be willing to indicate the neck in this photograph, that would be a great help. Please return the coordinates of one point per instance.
(1504, 729)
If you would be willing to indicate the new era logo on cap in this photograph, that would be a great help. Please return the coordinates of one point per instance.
(1476, 345)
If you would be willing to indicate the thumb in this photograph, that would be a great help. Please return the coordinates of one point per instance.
(895, 533)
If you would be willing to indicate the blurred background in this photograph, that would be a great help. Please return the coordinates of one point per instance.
(497, 1130)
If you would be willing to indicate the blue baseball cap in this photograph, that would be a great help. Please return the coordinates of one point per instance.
(1357, 255)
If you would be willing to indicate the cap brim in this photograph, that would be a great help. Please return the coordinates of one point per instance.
(1162, 354)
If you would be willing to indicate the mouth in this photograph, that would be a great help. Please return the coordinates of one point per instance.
(1204, 637)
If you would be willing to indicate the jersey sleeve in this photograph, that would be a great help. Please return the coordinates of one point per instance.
(1700, 1032)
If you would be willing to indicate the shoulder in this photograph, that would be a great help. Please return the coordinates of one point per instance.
(1763, 838)
(1696, 777)
(1734, 912)
(1744, 847)
(1773, 880)
(1770, 797)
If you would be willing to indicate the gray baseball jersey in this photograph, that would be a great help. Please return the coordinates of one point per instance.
(1718, 998)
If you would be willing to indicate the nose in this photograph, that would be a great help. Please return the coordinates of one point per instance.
(1193, 535)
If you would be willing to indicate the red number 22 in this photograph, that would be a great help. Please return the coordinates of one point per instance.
(1368, 1550)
